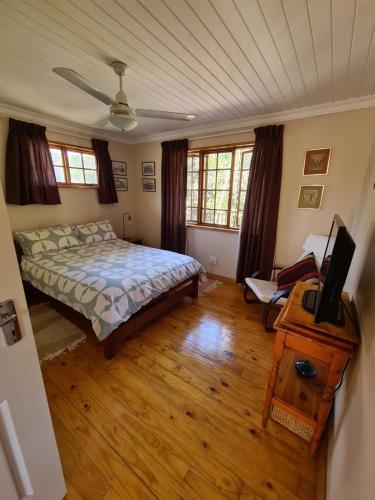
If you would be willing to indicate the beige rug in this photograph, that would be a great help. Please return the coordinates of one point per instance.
(53, 333)
(208, 285)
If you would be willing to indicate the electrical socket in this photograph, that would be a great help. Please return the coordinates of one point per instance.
(212, 260)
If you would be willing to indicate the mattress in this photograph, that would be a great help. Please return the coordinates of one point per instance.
(107, 281)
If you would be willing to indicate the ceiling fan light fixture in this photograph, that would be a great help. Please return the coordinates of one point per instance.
(122, 121)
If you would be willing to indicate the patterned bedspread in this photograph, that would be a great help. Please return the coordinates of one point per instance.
(108, 281)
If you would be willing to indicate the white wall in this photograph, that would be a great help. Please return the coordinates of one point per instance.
(352, 446)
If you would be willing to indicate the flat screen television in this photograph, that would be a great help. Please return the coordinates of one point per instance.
(325, 302)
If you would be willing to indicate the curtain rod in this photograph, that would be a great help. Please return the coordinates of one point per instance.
(221, 134)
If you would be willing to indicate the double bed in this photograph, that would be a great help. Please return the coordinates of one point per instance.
(117, 285)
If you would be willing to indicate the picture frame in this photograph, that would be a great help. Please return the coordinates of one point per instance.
(317, 161)
(148, 168)
(149, 185)
(310, 196)
(120, 168)
(121, 183)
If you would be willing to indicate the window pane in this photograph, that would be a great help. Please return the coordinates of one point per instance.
(188, 214)
(208, 216)
(57, 158)
(209, 199)
(60, 174)
(247, 160)
(221, 217)
(242, 199)
(210, 161)
(209, 179)
(245, 177)
(224, 160)
(196, 163)
(240, 214)
(194, 215)
(233, 218)
(91, 177)
(194, 199)
(195, 180)
(76, 176)
(89, 161)
(222, 199)
(75, 159)
(223, 179)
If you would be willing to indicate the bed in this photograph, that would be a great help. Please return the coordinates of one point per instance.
(117, 285)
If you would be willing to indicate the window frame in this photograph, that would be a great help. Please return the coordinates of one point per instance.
(64, 152)
(217, 149)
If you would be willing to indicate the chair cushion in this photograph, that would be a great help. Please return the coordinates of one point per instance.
(264, 290)
(302, 270)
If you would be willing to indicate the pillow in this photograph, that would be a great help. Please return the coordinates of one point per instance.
(45, 240)
(303, 270)
(93, 232)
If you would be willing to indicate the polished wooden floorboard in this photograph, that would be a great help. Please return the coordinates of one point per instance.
(177, 412)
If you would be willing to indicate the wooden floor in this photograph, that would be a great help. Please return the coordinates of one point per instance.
(177, 412)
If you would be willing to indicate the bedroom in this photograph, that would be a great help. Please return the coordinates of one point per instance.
(177, 410)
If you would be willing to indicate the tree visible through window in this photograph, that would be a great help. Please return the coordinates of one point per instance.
(74, 165)
(216, 188)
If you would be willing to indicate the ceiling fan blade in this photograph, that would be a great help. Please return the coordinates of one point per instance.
(77, 80)
(152, 113)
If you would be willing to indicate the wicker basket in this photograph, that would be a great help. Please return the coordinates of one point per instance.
(292, 423)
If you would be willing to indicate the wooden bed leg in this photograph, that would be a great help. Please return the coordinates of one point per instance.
(195, 286)
(109, 350)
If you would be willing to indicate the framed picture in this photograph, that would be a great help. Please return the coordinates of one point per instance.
(310, 197)
(317, 161)
(121, 183)
(119, 168)
(148, 168)
(149, 185)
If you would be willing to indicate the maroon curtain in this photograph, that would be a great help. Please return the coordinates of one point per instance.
(259, 223)
(30, 177)
(107, 189)
(173, 195)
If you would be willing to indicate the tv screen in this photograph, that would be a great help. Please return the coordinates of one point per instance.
(325, 302)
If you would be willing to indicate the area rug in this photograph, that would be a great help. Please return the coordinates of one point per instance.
(208, 285)
(53, 333)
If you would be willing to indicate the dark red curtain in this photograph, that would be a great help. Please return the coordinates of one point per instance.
(106, 182)
(259, 223)
(173, 195)
(30, 177)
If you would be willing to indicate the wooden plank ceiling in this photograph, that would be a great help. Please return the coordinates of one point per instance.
(218, 59)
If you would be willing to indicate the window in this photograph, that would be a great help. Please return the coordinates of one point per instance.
(73, 165)
(216, 186)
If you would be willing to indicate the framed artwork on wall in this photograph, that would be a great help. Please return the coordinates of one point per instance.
(149, 185)
(119, 168)
(310, 197)
(148, 168)
(317, 161)
(121, 183)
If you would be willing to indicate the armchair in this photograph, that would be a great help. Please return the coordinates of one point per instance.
(265, 291)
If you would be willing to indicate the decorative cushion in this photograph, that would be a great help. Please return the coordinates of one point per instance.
(93, 232)
(303, 270)
(45, 240)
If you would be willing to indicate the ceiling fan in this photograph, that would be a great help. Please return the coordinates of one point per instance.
(121, 115)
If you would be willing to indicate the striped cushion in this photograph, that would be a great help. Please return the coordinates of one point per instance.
(303, 270)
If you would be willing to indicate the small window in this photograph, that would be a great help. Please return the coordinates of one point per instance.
(74, 166)
(216, 186)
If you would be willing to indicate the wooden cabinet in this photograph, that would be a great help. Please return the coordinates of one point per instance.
(302, 404)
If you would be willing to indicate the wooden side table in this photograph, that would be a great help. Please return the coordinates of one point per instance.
(134, 239)
(300, 403)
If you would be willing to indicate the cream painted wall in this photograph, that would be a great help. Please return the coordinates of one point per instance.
(77, 204)
(349, 134)
(352, 451)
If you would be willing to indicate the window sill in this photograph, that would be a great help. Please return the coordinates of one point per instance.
(80, 186)
(213, 228)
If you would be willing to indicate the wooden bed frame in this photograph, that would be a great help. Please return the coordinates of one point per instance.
(187, 288)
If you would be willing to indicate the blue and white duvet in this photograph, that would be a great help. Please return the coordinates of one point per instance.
(108, 281)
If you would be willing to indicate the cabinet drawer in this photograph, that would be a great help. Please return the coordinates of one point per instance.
(302, 393)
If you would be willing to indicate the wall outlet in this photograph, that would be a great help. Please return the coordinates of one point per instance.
(212, 259)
